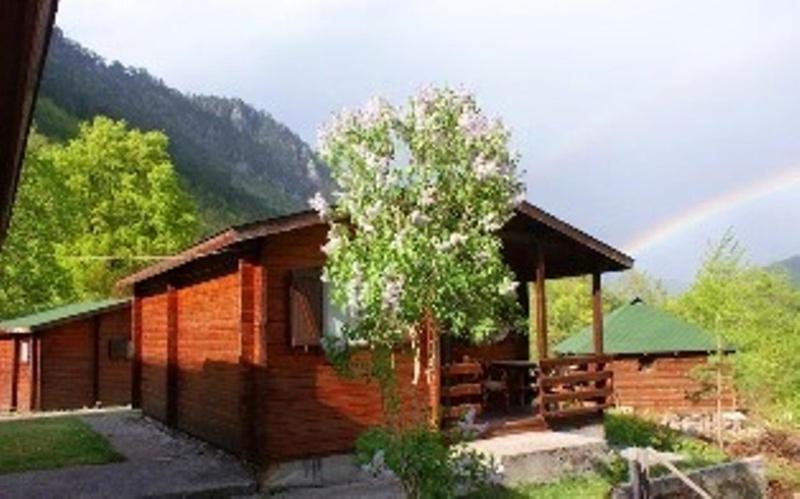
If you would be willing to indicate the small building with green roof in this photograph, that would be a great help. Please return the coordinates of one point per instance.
(660, 362)
(68, 357)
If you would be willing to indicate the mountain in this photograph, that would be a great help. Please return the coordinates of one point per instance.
(238, 162)
(791, 266)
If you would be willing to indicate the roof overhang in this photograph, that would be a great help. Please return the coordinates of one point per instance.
(25, 28)
(536, 225)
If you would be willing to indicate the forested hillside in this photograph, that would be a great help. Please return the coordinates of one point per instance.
(791, 266)
(238, 162)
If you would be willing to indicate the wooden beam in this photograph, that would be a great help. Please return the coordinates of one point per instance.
(15, 374)
(541, 306)
(95, 360)
(597, 313)
(136, 368)
(172, 355)
(37, 373)
(248, 396)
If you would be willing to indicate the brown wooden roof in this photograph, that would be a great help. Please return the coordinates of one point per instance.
(568, 250)
(25, 27)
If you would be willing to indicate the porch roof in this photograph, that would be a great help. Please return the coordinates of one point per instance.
(568, 250)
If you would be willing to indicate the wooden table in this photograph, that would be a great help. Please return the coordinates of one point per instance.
(518, 372)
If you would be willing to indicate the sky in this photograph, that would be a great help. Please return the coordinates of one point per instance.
(655, 126)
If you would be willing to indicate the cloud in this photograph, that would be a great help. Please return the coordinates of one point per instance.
(626, 112)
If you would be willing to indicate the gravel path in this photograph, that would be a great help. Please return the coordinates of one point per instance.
(160, 462)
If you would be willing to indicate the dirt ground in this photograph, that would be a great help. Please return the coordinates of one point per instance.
(780, 448)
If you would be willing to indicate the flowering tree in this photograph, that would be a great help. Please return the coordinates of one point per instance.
(413, 228)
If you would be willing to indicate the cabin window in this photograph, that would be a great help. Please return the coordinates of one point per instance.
(24, 351)
(646, 364)
(333, 317)
(313, 312)
(120, 349)
(305, 304)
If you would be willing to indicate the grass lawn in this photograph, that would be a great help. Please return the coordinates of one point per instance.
(621, 431)
(36, 444)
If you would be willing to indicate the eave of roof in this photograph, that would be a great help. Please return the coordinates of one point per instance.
(224, 239)
(255, 230)
(25, 29)
(55, 316)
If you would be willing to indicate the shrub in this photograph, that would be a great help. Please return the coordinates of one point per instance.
(425, 461)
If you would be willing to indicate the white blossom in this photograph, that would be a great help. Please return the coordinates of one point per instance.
(489, 223)
(484, 169)
(319, 204)
(377, 466)
(355, 289)
(376, 111)
(455, 239)
(428, 196)
(332, 245)
(473, 123)
(392, 292)
(418, 218)
(508, 287)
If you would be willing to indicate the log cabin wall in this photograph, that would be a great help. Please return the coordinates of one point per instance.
(666, 383)
(152, 352)
(208, 347)
(189, 350)
(307, 409)
(68, 353)
(513, 346)
(77, 369)
(114, 370)
(238, 382)
(7, 369)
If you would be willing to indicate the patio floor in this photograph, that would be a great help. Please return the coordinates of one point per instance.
(544, 456)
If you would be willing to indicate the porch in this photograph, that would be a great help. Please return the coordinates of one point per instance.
(514, 385)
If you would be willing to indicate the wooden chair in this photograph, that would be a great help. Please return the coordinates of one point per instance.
(496, 383)
(462, 388)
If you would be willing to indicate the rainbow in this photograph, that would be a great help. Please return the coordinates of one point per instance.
(709, 208)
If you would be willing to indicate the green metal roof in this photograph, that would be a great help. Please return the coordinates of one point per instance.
(55, 315)
(638, 328)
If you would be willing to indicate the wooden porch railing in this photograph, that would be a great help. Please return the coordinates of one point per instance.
(574, 386)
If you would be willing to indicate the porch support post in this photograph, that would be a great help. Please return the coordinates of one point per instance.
(597, 313)
(541, 306)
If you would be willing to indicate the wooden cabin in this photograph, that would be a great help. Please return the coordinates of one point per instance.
(660, 362)
(227, 344)
(67, 358)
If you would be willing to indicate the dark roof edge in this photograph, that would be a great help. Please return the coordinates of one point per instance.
(272, 226)
(223, 240)
(570, 230)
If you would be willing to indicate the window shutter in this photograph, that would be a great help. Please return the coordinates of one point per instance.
(305, 298)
